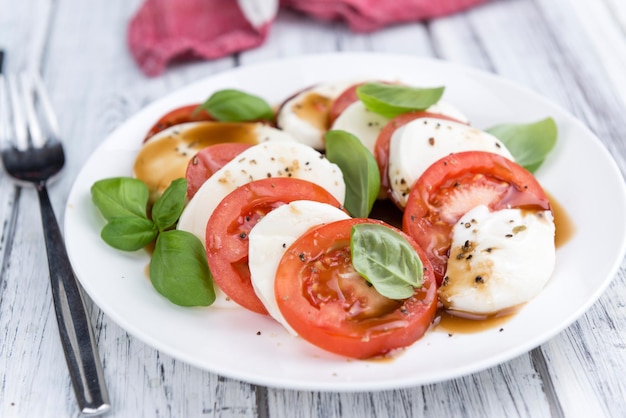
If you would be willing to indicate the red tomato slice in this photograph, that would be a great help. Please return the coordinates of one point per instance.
(229, 225)
(381, 149)
(345, 99)
(177, 116)
(342, 101)
(452, 186)
(208, 160)
(330, 305)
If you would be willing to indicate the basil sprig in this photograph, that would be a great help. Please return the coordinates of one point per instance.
(386, 260)
(528, 143)
(391, 100)
(120, 197)
(178, 267)
(232, 105)
(359, 168)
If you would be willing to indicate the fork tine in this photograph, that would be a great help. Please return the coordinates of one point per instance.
(46, 107)
(5, 132)
(28, 95)
(19, 123)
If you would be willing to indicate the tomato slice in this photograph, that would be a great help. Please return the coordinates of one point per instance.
(345, 99)
(453, 185)
(208, 160)
(330, 305)
(177, 116)
(381, 149)
(229, 225)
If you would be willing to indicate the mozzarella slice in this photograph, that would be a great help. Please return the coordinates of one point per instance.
(498, 260)
(270, 238)
(362, 123)
(270, 159)
(421, 142)
(305, 116)
(164, 157)
(366, 125)
(446, 109)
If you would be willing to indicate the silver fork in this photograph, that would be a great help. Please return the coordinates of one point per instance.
(32, 154)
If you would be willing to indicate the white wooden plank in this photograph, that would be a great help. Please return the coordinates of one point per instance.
(292, 34)
(27, 320)
(455, 39)
(410, 38)
(590, 93)
(587, 361)
(487, 392)
(605, 24)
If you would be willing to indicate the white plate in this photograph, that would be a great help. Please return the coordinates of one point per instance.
(253, 348)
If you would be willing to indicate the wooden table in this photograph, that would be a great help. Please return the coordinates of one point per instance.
(571, 51)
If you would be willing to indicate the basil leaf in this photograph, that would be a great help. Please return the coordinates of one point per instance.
(529, 143)
(359, 168)
(120, 196)
(129, 233)
(231, 105)
(179, 269)
(386, 260)
(391, 100)
(169, 206)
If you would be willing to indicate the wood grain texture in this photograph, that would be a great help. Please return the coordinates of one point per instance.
(571, 51)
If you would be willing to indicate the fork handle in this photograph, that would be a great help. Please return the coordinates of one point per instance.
(77, 338)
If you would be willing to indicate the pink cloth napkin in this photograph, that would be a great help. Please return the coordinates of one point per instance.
(163, 31)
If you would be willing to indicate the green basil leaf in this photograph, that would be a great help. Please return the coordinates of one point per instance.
(170, 205)
(529, 143)
(386, 260)
(391, 100)
(179, 269)
(129, 233)
(120, 196)
(359, 168)
(231, 105)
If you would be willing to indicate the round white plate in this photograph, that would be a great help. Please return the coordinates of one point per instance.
(253, 348)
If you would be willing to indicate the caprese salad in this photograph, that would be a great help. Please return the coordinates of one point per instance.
(269, 209)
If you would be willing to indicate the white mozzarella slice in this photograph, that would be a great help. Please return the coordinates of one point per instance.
(270, 159)
(164, 157)
(421, 142)
(270, 238)
(446, 109)
(366, 125)
(362, 123)
(305, 116)
(498, 260)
